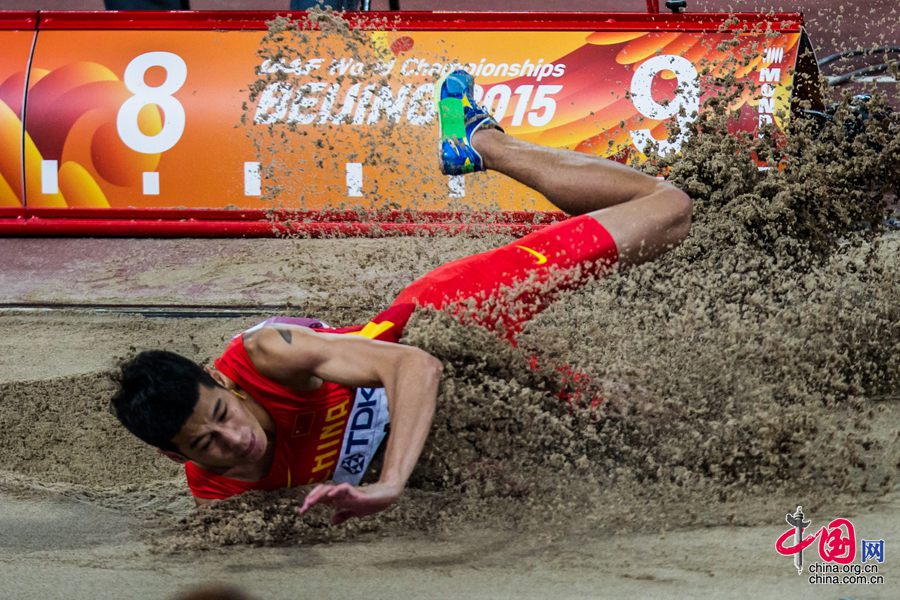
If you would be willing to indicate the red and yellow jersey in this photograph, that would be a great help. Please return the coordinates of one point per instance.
(328, 433)
(309, 429)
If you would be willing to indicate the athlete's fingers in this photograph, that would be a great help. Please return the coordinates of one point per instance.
(327, 494)
(341, 516)
(314, 497)
(317, 493)
(340, 492)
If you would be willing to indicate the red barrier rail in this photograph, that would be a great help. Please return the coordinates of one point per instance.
(302, 216)
(425, 21)
(107, 227)
(18, 20)
(261, 223)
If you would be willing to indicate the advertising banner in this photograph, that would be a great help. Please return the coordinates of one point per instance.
(13, 68)
(327, 119)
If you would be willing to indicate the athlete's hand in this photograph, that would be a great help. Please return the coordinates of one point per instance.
(350, 501)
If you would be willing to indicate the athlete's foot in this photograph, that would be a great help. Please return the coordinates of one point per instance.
(460, 119)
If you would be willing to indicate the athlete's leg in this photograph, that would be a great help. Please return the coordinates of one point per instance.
(629, 217)
(645, 216)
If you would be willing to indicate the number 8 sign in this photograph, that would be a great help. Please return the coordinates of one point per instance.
(127, 119)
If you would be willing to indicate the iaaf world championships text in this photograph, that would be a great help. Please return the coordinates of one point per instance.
(318, 102)
(413, 67)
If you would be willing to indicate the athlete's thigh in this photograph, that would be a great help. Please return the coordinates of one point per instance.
(580, 243)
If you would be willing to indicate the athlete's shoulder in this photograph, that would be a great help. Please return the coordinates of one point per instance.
(276, 339)
(286, 354)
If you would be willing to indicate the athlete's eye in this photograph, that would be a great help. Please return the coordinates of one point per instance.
(224, 415)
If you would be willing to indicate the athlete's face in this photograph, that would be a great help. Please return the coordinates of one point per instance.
(221, 432)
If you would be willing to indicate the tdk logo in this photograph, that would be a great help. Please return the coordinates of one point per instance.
(354, 463)
(361, 421)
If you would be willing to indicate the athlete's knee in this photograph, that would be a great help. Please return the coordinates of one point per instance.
(681, 210)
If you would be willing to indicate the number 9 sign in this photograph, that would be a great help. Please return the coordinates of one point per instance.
(161, 96)
(683, 106)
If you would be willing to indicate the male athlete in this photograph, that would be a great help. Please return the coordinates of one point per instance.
(293, 402)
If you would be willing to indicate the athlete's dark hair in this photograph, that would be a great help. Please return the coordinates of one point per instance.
(157, 394)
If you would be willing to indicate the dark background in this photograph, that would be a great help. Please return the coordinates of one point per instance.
(833, 25)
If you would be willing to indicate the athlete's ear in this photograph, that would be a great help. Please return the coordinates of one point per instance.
(217, 376)
(175, 456)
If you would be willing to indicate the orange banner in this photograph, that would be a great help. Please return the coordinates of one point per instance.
(13, 61)
(162, 119)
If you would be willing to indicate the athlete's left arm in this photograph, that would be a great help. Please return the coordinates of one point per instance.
(291, 355)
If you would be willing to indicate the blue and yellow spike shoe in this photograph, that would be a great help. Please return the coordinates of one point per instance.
(459, 118)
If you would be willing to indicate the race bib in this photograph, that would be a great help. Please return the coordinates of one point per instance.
(365, 431)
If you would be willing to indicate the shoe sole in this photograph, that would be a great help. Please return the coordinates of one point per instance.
(460, 127)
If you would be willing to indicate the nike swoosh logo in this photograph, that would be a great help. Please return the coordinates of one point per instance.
(541, 259)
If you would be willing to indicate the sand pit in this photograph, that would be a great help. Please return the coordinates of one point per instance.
(88, 512)
(752, 369)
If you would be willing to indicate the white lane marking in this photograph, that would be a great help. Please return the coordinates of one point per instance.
(49, 177)
(252, 179)
(456, 184)
(354, 180)
(151, 183)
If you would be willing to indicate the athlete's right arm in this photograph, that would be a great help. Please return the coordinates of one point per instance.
(299, 358)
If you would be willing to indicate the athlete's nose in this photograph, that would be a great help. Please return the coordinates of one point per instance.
(232, 438)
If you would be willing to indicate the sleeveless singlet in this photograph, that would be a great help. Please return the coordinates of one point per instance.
(328, 433)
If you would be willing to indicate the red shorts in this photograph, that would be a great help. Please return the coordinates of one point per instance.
(509, 285)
